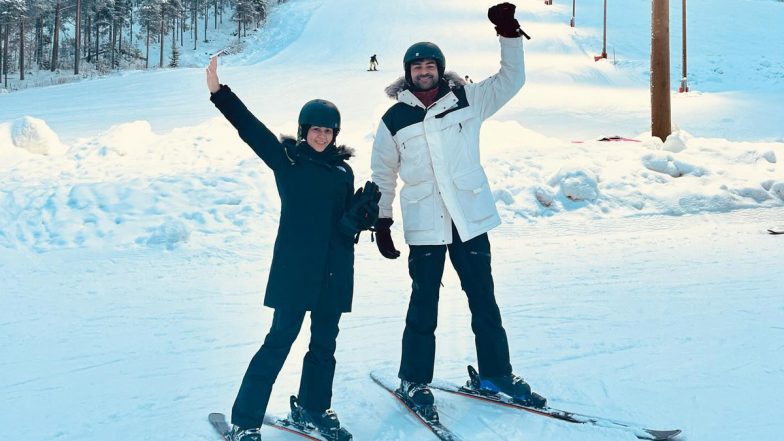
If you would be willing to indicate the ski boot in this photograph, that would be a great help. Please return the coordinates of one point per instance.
(238, 434)
(419, 397)
(512, 385)
(326, 423)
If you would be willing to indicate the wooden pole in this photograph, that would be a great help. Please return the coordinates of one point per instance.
(661, 125)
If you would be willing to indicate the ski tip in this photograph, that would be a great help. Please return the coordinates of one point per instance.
(662, 435)
(771, 231)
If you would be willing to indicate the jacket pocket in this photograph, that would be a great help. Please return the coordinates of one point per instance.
(417, 204)
(474, 195)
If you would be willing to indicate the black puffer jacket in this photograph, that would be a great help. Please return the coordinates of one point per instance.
(313, 262)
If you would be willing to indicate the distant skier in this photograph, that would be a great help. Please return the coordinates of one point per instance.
(430, 137)
(313, 259)
(469, 80)
(373, 62)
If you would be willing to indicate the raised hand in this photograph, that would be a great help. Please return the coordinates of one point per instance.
(212, 75)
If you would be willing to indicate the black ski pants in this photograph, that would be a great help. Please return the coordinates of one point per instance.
(471, 260)
(318, 369)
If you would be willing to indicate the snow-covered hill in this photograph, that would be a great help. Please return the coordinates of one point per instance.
(635, 282)
(138, 156)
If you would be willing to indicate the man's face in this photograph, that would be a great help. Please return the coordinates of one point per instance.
(424, 74)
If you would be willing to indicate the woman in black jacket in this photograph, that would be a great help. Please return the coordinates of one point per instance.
(313, 259)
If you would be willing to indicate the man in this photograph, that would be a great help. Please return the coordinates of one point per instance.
(373, 62)
(431, 138)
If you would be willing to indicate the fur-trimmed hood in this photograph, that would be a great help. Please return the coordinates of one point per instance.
(399, 85)
(340, 152)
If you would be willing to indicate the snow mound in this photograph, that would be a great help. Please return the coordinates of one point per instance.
(778, 190)
(665, 163)
(576, 183)
(167, 235)
(676, 142)
(30, 134)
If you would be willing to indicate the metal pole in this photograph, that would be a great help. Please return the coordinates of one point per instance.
(604, 40)
(77, 40)
(661, 124)
(573, 10)
(684, 85)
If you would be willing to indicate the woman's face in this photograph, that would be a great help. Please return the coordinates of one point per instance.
(319, 137)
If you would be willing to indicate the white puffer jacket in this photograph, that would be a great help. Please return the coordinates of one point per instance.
(436, 153)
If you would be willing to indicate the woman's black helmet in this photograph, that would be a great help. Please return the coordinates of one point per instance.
(421, 51)
(319, 113)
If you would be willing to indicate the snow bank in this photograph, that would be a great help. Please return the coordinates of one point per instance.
(30, 135)
(201, 185)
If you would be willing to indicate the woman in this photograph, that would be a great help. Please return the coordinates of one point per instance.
(313, 259)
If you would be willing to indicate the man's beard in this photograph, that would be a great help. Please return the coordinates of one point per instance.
(433, 82)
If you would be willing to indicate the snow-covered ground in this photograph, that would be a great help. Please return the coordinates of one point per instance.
(635, 278)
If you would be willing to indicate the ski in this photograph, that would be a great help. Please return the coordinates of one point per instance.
(218, 421)
(471, 390)
(435, 426)
(610, 139)
(772, 231)
(305, 429)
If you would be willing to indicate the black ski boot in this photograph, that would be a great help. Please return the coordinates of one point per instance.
(326, 422)
(419, 397)
(509, 384)
(238, 434)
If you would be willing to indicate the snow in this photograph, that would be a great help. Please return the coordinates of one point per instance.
(634, 277)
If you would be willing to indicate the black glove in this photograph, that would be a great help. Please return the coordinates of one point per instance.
(362, 213)
(384, 238)
(502, 16)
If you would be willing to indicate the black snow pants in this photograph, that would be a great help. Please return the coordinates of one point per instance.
(318, 369)
(471, 260)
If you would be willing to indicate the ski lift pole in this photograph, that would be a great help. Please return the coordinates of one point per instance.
(684, 85)
(573, 10)
(604, 39)
(603, 56)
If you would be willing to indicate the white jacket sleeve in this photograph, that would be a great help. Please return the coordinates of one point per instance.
(491, 94)
(384, 165)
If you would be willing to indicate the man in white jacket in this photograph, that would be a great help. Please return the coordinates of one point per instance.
(430, 137)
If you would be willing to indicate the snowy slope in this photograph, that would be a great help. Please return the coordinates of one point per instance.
(634, 277)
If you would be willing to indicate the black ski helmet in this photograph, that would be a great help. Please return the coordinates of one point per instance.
(421, 51)
(319, 113)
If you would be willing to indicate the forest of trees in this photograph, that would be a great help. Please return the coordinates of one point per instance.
(61, 35)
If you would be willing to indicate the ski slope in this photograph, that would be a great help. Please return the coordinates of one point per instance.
(635, 278)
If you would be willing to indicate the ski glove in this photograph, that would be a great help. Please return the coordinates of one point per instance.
(384, 238)
(502, 16)
(362, 213)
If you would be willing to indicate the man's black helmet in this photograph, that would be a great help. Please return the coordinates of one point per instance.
(421, 51)
(319, 113)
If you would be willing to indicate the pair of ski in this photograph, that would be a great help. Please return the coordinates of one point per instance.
(431, 421)
(471, 390)
(218, 421)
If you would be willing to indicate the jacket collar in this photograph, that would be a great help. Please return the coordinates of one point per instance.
(400, 90)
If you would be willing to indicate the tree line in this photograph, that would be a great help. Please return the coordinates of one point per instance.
(64, 34)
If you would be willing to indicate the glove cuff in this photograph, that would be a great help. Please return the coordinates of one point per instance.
(511, 30)
(383, 224)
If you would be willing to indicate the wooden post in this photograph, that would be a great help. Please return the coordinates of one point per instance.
(661, 125)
